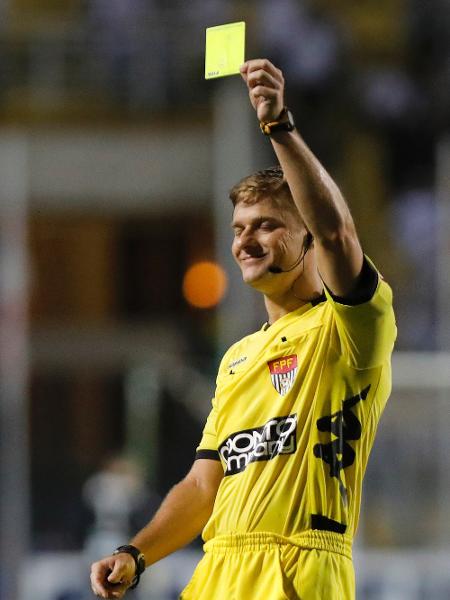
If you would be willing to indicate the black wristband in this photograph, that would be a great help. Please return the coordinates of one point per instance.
(139, 561)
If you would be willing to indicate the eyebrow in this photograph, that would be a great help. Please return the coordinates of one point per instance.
(258, 220)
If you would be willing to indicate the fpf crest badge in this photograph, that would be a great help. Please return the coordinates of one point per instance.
(282, 373)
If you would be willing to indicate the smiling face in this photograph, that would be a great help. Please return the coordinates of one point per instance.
(266, 235)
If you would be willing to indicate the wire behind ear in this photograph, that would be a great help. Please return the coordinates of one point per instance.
(308, 241)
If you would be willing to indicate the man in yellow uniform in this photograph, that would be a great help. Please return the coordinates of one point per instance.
(276, 485)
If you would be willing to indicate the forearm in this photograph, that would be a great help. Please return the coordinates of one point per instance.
(180, 518)
(318, 198)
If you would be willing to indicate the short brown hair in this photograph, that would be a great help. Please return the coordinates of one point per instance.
(268, 183)
(262, 184)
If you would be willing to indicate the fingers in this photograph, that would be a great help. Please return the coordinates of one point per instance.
(263, 66)
(110, 578)
(118, 574)
(99, 572)
(265, 84)
(260, 91)
(261, 77)
(109, 590)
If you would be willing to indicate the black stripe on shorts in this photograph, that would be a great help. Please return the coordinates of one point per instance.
(326, 524)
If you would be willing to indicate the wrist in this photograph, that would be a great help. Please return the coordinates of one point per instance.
(139, 561)
(285, 122)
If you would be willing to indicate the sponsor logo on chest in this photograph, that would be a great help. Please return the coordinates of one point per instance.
(282, 373)
(277, 436)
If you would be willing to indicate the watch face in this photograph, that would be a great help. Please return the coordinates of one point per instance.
(287, 125)
(141, 564)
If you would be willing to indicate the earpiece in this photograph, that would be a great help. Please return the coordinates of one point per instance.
(307, 243)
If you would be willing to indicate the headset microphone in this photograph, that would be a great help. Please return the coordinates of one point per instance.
(306, 246)
(275, 269)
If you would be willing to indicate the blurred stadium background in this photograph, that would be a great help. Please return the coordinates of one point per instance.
(115, 161)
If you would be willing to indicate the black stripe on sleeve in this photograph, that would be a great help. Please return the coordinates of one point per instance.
(365, 287)
(319, 299)
(209, 454)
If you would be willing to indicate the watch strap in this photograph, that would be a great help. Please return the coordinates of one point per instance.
(139, 561)
(285, 122)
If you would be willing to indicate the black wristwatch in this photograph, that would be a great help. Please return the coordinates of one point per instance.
(285, 122)
(139, 561)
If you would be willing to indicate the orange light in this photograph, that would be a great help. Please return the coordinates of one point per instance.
(204, 284)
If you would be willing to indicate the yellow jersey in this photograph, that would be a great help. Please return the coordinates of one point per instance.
(294, 417)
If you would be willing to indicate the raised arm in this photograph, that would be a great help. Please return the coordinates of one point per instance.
(180, 518)
(318, 199)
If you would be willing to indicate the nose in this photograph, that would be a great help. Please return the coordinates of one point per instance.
(243, 238)
(246, 239)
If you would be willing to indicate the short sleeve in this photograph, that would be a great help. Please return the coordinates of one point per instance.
(208, 443)
(366, 329)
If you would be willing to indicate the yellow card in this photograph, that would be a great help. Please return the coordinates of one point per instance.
(225, 50)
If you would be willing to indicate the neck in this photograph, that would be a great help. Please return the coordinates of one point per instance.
(277, 309)
(302, 291)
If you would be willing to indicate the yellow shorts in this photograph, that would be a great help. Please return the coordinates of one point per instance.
(315, 565)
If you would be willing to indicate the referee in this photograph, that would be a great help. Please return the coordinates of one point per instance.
(276, 485)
